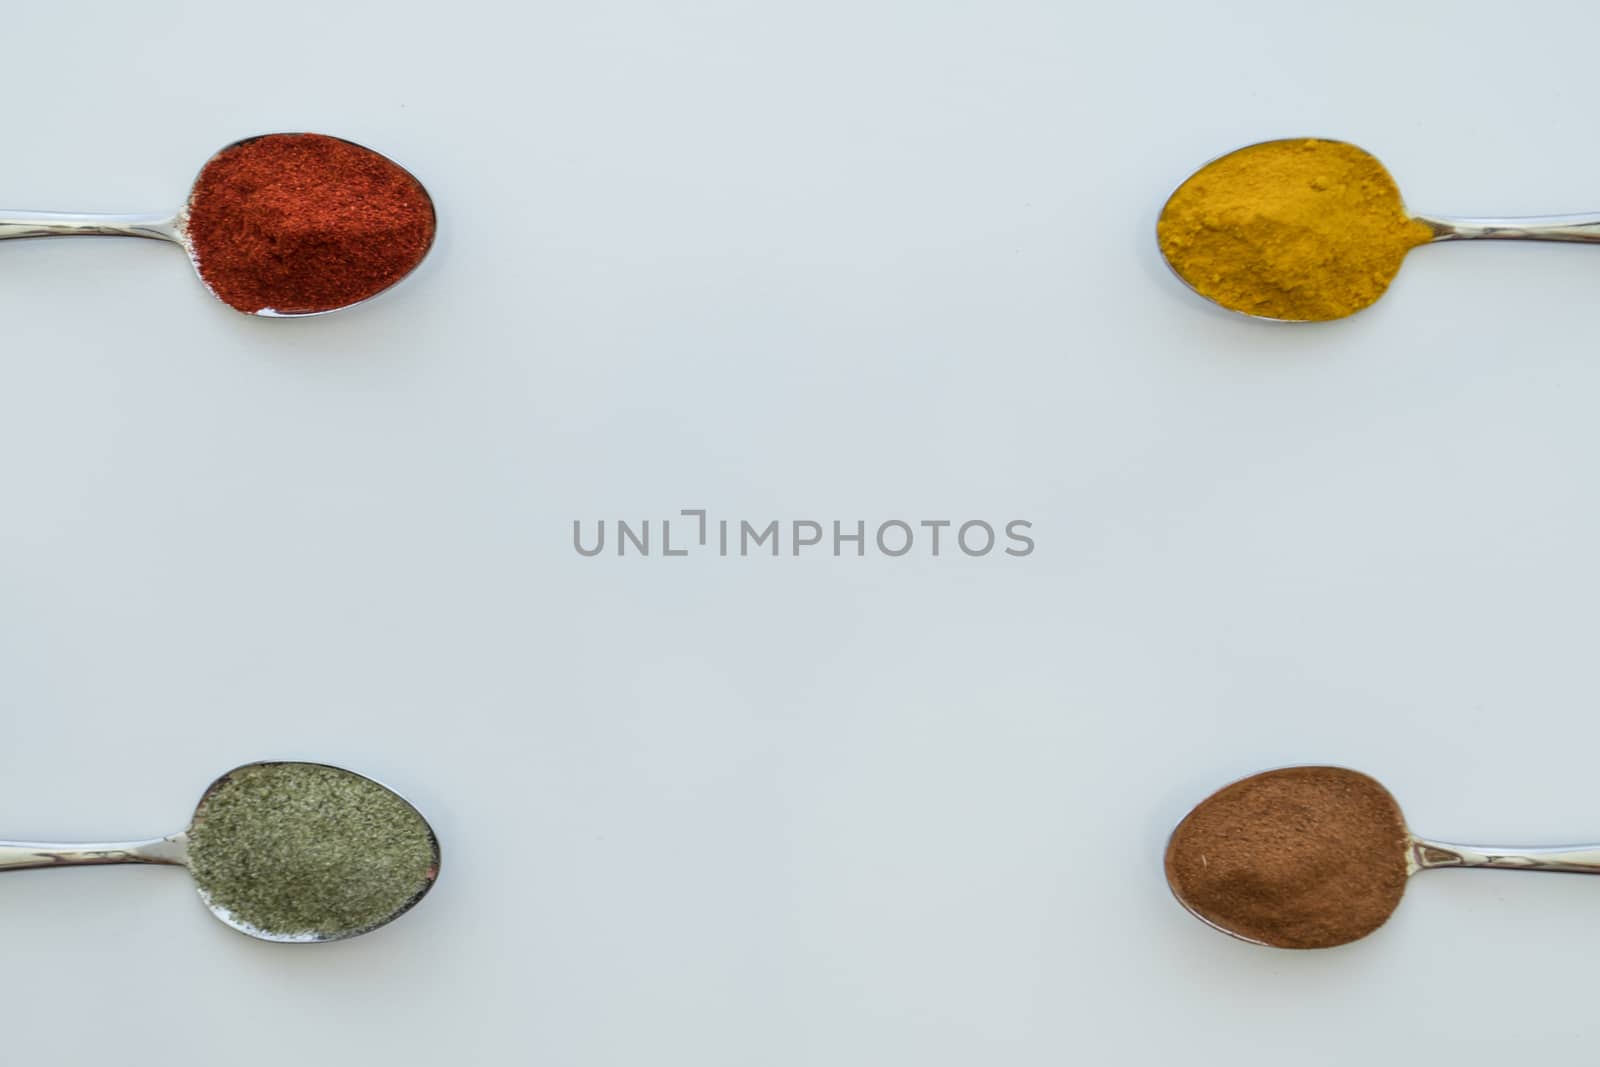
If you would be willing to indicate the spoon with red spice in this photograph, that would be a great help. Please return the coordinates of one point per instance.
(1313, 857)
(282, 225)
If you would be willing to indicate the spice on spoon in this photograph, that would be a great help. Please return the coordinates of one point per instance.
(1301, 230)
(1304, 857)
(303, 851)
(298, 223)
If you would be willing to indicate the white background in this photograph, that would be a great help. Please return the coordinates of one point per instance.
(838, 260)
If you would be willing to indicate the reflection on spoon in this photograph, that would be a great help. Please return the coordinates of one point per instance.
(281, 225)
(294, 852)
(1309, 229)
(1312, 857)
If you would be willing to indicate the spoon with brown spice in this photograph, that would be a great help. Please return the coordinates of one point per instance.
(281, 851)
(1310, 229)
(282, 225)
(1313, 857)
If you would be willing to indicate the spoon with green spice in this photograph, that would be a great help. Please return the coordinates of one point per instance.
(283, 851)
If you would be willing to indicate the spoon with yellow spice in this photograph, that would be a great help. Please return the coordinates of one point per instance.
(1307, 230)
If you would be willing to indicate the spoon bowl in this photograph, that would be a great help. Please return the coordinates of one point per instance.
(266, 276)
(1298, 230)
(284, 851)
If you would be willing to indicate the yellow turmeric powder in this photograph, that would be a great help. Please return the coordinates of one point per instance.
(1303, 230)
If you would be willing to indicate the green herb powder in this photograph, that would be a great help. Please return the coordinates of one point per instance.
(299, 850)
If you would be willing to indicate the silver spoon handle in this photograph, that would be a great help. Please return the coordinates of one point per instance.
(1580, 228)
(57, 224)
(1573, 859)
(21, 855)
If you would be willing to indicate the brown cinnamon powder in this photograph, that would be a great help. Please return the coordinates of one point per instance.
(1304, 857)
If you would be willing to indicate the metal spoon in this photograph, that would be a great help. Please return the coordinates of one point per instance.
(1580, 228)
(1408, 854)
(173, 850)
(171, 227)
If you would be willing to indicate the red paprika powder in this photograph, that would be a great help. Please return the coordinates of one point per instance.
(297, 223)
